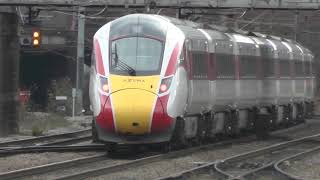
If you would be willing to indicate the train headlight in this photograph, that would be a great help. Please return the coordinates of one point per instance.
(103, 85)
(165, 84)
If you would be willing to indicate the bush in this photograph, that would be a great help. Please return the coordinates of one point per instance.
(37, 131)
(60, 87)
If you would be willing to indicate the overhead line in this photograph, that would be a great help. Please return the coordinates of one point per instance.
(99, 3)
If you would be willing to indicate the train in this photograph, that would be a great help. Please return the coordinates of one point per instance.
(161, 80)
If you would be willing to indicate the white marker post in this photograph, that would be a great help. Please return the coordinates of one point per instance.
(74, 94)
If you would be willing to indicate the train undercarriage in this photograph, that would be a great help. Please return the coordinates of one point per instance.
(212, 126)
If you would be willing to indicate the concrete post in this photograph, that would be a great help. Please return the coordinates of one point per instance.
(9, 73)
(80, 59)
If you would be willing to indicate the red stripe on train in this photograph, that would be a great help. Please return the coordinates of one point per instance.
(105, 118)
(98, 56)
(160, 120)
(173, 61)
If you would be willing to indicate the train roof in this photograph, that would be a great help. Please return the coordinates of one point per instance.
(222, 33)
(218, 32)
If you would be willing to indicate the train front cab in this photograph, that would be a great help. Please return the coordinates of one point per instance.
(134, 88)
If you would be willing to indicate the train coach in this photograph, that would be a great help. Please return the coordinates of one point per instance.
(157, 79)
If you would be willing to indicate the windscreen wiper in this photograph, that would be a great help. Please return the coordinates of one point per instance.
(123, 66)
(126, 67)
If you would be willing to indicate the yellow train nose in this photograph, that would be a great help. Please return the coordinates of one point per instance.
(133, 111)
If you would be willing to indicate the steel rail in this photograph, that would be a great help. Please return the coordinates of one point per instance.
(197, 170)
(50, 167)
(290, 175)
(274, 166)
(262, 168)
(45, 138)
(214, 166)
(32, 149)
(55, 166)
(179, 153)
(69, 141)
(150, 159)
(259, 152)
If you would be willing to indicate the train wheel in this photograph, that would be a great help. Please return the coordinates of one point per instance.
(111, 148)
(308, 109)
(305, 110)
(300, 114)
(227, 123)
(289, 115)
(179, 138)
(203, 124)
(252, 115)
(209, 118)
(286, 115)
(261, 125)
(311, 109)
(166, 147)
(273, 117)
(232, 123)
(295, 113)
(94, 133)
(235, 123)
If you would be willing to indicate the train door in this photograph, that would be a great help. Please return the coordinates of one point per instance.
(187, 54)
(198, 62)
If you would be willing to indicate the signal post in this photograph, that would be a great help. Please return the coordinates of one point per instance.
(9, 71)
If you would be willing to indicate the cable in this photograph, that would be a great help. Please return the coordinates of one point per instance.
(244, 12)
(20, 14)
(253, 20)
(98, 13)
(159, 11)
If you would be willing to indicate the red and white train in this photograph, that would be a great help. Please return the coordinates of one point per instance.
(157, 79)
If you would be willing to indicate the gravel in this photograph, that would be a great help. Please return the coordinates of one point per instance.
(73, 124)
(174, 165)
(307, 168)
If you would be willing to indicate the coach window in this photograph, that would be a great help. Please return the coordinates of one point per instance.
(200, 65)
(284, 68)
(225, 66)
(268, 67)
(267, 62)
(307, 68)
(299, 69)
(247, 62)
(248, 66)
(313, 68)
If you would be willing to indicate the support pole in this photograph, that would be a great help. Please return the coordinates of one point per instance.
(296, 24)
(80, 59)
(9, 73)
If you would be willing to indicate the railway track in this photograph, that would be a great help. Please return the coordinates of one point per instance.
(57, 139)
(251, 165)
(63, 148)
(102, 164)
(277, 165)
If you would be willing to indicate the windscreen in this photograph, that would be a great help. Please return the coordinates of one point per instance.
(136, 56)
